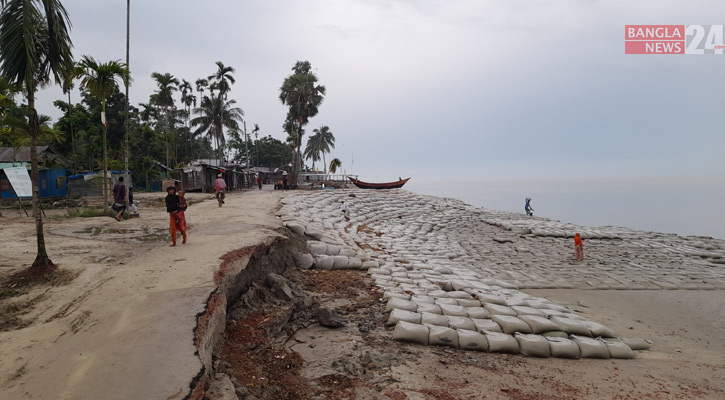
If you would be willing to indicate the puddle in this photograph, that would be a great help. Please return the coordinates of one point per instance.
(143, 234)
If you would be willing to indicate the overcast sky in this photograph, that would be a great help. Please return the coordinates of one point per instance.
(439, 87)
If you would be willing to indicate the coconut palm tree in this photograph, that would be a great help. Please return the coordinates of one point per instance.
(326, 141)
(101, 81)
(222, 81)
(334, 165)
(303, 95)
(163, 97)
(35, 45)
(209, 120)
(313, 150)
(187, 99)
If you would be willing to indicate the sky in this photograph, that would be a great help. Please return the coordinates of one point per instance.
(440, 88)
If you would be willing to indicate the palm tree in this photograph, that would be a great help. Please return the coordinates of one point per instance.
(187, 99)
(334, 165)
(222, 80)
(326, 141)
(209, 120)
(167, 84)
(313, 150)
(100, 79)
(35, 46)
(303, 95)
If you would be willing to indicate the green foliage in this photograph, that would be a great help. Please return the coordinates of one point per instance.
(87, 212)
(334, 165)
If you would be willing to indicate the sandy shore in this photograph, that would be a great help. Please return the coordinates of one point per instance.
(124, 328)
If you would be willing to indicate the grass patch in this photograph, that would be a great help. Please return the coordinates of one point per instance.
(7, 293)
(192, 202)
(22, 280)
(86, 212)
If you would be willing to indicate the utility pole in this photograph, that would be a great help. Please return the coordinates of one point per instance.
(246, 143)
(127, 82)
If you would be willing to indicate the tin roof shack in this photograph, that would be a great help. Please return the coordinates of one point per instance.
(268, 175)
(200, 175)
(91, 184)
(51, 171)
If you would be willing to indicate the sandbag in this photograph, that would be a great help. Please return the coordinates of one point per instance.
(571, 326)
(441, 336)
(429, 308)
(523, 310)
(539, 324)
(501, 343)
(438, 293)
(470, 340)
(446, 300)
(433, 319)
(478, 312)
(459, 284)
(599, 330)
(618, 349)
(403, 315)
(486, 325)
(491, 299)
(459, 295)
(557, 334)
(469, 303)
(563, 348)
(400, 304)
(496, 309)
(422, 299)
(636, 343)
(511, 324)
(388, 294)
(533, 345)
(460, 323)
(407, 332)
(591, 348)
(456, 310)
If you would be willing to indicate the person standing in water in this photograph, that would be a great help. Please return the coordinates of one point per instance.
(578, 248)
(527, 207)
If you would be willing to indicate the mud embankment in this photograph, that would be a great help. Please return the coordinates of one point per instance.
(238, 271)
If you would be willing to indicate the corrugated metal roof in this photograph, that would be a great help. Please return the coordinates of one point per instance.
(21, 154)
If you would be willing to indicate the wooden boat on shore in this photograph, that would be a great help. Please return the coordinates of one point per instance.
(387, 185)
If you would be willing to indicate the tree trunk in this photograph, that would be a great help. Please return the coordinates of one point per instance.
(105, 165)
(324, 162)
(42, 263)
(72, 136)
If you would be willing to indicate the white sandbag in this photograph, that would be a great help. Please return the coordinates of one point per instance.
(618, 349)
(402, 315)
(557, 334)
(460, 284)
(533, 345)
(460, 323)
(478, 312)
(317, 248)
(524, 310)
(469, 303)
(459, 295)
(470, 340)
(354, 263)
(563, 348)
(441, 336)
(501, 343)
(388, 294)
(591, 348)
(491, 299)
(521, 301)
(438, 293)
(446, 300)
(433, 319)
(395, 302)
(636, 343)
(407, 332)
(379, 271)
(324, 262)
(429, 308)
(539, 324)
(486, 325)
(422, 299)
(450, 309)
(599, 330)
(511, 324)
(571, 326)
(340, 262)
(496, 309)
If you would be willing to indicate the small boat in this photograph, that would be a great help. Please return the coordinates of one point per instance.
(388, 185)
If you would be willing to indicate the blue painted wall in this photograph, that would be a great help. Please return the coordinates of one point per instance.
(52, 183)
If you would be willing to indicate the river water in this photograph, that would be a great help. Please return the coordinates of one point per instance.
(686, 206)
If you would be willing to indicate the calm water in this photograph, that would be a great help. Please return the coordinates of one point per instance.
(686, 206)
